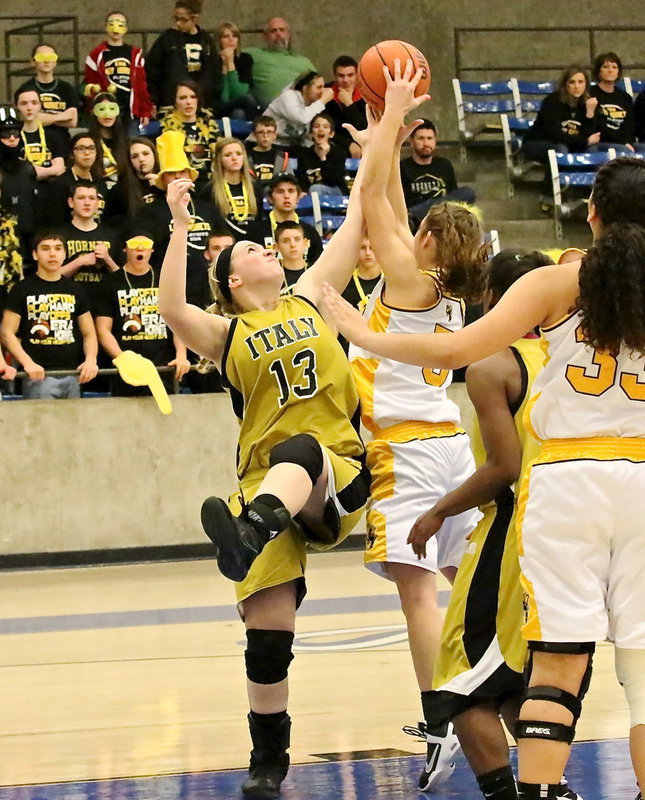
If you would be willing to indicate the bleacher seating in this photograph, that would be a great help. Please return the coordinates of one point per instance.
(486, 100)
(513, 129)
(634, 86)
(570, 172)
(528, 95)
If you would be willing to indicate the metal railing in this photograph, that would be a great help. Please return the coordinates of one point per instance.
(510, 69)
(44, 28)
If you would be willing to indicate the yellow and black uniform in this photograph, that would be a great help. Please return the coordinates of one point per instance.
(482, 652)
(287, 375)
(10, 256)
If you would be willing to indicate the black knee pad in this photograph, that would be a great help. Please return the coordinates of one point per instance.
(537, 729)
(268, 655)
(301, 449)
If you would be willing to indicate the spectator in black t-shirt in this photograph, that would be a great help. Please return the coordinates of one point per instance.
(18, 178)
(59, 99)
(91, 246)
(428, 179)
(183, 51)
(363, 281)
(321, 167)
(83, 165)
(135, 186)
(128, 318)
(108, 130)
(284, 193)
(218, 239)
(233, 190)
(47, 326)
(45, 148)
(615, 110)
(235, 75)
(266, 158)
(291, 244)
(566, 122)
(347, 104)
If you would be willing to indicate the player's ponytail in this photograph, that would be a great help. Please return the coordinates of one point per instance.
(460, 254)
(222, 307)
(612, 274)
(612, 289)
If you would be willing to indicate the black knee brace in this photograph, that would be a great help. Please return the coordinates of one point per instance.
(301, 449)
(556, 731)
(268, 655)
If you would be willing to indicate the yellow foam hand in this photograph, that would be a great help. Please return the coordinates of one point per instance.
(139, 371)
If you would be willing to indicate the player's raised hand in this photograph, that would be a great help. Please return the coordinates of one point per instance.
(348, 320)
(178, 198)
(399, 94)
(363, 136)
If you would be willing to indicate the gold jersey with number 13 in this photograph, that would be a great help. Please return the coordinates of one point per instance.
(287, 375)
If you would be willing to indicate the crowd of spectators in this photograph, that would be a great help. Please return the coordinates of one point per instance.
(87, 168)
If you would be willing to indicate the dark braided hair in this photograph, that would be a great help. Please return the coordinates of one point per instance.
(612, 274)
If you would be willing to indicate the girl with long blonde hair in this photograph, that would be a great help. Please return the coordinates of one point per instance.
(233, 189)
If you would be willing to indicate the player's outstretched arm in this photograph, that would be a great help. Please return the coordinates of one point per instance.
(527, 304)
(488, 383)
(381, 195)
(200, 331)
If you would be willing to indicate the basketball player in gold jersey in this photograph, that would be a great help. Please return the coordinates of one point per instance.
(300, 462)
(581, 538)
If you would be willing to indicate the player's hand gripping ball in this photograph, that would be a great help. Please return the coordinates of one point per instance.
(370, 69)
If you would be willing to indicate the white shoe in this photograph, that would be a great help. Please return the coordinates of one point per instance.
(440, 758)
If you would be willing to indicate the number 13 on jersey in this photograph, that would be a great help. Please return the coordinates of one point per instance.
(305, 362)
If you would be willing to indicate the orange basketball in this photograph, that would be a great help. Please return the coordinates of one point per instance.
(370, 69)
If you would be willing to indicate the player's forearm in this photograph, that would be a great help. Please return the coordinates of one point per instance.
(483, 486)
(90, 344)
(172, 282)
(419, 349)
(108, 341)
(395, 189)
(181, 351)
(378, 159)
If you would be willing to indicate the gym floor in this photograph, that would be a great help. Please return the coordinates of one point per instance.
(128, 682)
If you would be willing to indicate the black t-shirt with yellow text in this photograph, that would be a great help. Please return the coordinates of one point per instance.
(49, 312)
(132, 303)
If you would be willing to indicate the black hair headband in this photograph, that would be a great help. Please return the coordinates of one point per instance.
(222, 271)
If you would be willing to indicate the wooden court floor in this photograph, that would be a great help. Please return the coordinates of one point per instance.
(137, 671)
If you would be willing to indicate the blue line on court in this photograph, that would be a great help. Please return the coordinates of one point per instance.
(191, 614)
(596, 770)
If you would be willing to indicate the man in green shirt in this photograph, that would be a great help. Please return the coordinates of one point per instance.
(275, 65)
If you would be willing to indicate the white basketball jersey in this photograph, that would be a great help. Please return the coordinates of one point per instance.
(392, 392)
(583, 393)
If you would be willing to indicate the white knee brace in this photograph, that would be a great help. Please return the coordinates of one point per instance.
(630, 670)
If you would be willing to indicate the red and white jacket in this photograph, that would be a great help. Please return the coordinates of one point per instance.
(140, 103)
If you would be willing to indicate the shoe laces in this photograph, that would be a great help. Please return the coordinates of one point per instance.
(420, 732)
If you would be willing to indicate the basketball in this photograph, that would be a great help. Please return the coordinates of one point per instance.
(370, 69)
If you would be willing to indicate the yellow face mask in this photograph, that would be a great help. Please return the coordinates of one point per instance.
(117, 26)
(139, 243)
(106, 109)
(45, 58)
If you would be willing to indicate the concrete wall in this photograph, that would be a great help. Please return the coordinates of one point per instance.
(336, 26)
(114, 473)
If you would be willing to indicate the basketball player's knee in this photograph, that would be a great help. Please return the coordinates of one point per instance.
(303, 450)
(630, 670)
(546, 729)
(268, 655)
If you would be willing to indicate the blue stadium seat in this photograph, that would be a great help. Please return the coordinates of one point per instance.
(634, 86)
(513, 130)
(489, 98)
(351, 168)
(528, 95)
(570, 171)
(239, 128)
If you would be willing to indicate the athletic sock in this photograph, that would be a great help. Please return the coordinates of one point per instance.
(267, 514)
(430, 714)
(268, 719)
(537, 791)
(498, 784)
